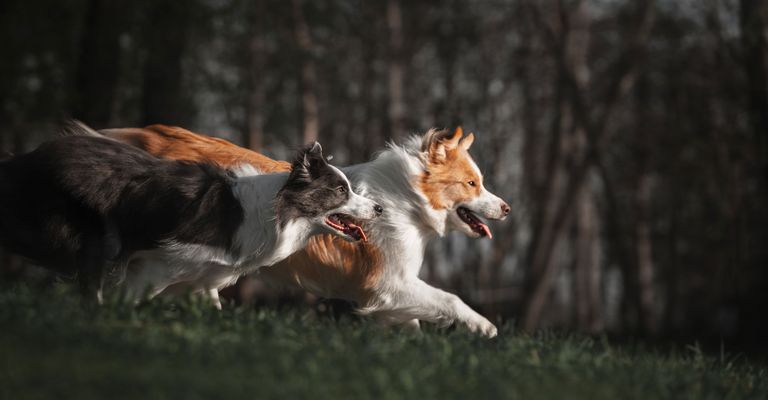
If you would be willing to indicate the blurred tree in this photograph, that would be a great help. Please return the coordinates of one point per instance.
(557, 212)
(309, 102)
(166, 31)
(642, 202)
(396, 69)
(754, 37)
(255, 77)
(98, 67)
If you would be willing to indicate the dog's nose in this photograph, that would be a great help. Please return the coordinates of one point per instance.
(379, 209)
(504, 209)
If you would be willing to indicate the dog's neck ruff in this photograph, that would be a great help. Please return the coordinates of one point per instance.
(408, 221)
(391, 179)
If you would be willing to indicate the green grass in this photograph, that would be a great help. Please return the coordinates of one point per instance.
(51, 346)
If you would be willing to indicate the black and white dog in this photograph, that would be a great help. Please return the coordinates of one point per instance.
(79, 204)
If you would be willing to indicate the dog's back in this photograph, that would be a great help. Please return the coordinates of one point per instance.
(333, 267)
(164, 141)
(79, 191)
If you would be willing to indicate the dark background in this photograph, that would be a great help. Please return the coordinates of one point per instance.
(631, 137)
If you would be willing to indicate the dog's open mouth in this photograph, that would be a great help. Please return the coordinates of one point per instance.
(347, 225)
(474, 222)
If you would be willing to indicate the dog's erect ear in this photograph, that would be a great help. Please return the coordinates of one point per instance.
(437, 152)
(308, 162)
(453, 142)
(467, 141)
(316, 159)
(437, 144)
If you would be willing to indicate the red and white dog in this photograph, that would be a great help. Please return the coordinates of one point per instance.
(428, 186)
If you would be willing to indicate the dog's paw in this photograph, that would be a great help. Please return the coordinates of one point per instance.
(482, 326)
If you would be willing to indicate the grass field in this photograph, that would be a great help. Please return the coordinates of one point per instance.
(53, 347)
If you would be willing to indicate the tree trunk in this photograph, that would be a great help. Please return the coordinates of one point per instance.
(588, 266)
(641, 202)
(644, 253)
(396, 70)
(620, 80)
(754, 37)
(255, 120)
(310, 108)
(163, 97)
(256, 97)
(98, 67)
(567, 144)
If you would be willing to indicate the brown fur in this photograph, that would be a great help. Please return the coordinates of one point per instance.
(336, 267)
(177, 143)
(342, 269)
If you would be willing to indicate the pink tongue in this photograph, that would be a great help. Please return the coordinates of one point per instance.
(335, 225)
(360, 231)
(486, 230)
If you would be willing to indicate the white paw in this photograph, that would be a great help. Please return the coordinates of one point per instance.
(482, 326)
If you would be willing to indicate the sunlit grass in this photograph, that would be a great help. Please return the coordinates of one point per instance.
(53, 346)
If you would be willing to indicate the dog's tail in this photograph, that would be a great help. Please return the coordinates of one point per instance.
(73, 127)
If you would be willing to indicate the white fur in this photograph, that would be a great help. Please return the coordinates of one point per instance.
(260, 241)
(246, 170)
(402, 234)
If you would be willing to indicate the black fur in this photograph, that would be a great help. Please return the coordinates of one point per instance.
(313, 187)
(76, 202)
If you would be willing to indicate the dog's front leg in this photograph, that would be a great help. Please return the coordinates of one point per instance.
(415, 299)
(413, 324)
(213, 294)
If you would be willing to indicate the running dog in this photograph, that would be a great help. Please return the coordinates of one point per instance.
(79, 204)
(429, 186)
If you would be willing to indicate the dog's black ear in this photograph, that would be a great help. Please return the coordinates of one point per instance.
(308, 162)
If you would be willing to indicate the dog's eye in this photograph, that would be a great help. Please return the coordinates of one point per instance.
(471, 183)
(341, 189)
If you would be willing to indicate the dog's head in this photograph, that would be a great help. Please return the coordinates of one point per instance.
(452, 182)
(321, 193)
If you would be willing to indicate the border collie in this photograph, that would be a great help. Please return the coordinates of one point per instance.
(78, 204)
(429, 185)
